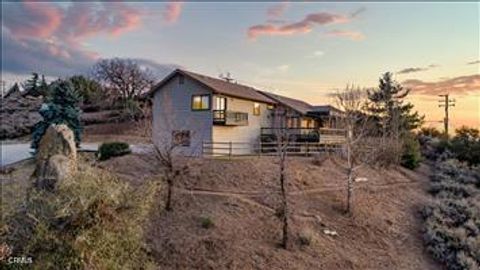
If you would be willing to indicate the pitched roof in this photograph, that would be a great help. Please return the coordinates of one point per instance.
(296, 104)
(219, 86)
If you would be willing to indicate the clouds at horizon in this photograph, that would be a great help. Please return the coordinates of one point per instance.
(416, 69)
(462, 85)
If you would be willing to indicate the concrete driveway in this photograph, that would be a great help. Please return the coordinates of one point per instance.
(14, 152)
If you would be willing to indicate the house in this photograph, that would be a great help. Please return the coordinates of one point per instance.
(192, 109)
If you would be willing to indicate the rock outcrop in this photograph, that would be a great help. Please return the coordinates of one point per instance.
(56, 156)
(18, 114)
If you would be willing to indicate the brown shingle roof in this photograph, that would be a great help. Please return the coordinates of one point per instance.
(296, 104)
(220, 86)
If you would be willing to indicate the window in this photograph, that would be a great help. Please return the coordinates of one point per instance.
(270, 107)
(256, 108)
(220, 103)
(181, 79)
(181, 137)
(200, 102)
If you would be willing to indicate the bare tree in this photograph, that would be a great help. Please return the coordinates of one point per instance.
(123, 77)
(166, 157)
(351, 100)
(283, 138)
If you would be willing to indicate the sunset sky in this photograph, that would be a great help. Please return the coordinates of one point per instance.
(302, 50)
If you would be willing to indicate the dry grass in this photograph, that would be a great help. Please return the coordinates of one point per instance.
(92, 221)
(240, 196)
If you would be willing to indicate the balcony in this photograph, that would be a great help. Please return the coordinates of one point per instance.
(230, 118)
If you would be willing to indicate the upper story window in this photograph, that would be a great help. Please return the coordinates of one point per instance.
(256, 108)
(181, 79)
(200, 102)
(219, 103)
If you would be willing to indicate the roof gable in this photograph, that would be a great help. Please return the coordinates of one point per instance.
(218, 86)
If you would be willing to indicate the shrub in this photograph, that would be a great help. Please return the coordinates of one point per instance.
(411, 155)
(305, 237)
(452, 221)
(206, 222)
(92, 221)
(113, 149)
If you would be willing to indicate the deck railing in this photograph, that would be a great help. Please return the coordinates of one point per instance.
(231, 149)
(313, 135)
(230, 118)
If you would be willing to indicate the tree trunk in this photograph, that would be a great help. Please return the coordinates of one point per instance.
(348, 209)
(349, 192)
(283, 183)
(168, 205)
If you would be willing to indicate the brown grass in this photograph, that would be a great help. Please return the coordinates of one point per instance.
(240, 196)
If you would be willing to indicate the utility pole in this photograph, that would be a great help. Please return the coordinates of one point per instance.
(446, 103)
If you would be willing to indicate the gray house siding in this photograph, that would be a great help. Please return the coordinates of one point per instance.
(172, 112)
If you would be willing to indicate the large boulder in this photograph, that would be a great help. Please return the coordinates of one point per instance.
(56, 156)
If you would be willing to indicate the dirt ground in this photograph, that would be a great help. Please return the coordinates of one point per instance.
(240, 197)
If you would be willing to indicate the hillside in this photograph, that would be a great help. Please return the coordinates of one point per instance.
(240, 198)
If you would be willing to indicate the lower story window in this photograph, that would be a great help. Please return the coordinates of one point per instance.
(181, 137)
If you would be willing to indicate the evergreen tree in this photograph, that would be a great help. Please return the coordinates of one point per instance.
(386, 104)
(13, 90)
(31, 85)
(36, 86)
(90, 90)
(61, 108)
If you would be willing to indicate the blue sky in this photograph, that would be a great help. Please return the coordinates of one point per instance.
(304, 50)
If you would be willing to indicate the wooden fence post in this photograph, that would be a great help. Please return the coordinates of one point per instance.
(230, 150)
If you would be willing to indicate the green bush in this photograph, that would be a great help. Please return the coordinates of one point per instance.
(92, 221)
(113, 149)
(206, 222)
(411, 156)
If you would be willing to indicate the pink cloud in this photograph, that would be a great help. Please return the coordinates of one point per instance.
(303, 26)
(353, 35)
(83, 20)
(49, 38)
(277, 10)
(458, 85)
(28, 19)
(172, 11)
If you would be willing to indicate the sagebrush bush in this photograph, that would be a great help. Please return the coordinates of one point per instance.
(306, 237)
(113, 149)
(92, 221)
(452, 221)
(206, 222)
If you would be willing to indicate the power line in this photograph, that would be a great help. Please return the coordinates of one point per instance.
(446, 103)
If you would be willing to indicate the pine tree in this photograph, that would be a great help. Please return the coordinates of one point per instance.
(15, 89)
(387, 106)
(62, 108)
(36, 87)
(31, 85)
